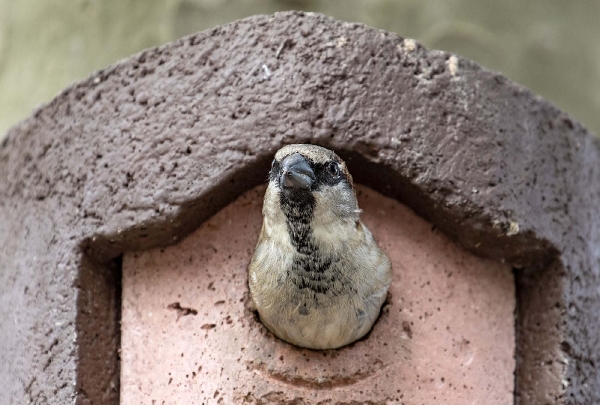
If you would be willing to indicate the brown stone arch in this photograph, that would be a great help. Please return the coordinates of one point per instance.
(141, 153)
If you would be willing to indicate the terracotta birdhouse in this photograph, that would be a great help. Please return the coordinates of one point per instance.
(132, 205)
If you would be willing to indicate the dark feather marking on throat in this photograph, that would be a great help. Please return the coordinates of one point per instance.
(309, 269)
(298, 207)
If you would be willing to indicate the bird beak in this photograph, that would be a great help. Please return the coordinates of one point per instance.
(296, 173)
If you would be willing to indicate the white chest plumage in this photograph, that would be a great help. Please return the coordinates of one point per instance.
(326, 309)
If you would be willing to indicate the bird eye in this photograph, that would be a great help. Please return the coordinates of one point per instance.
(273, 163)
(333, 169)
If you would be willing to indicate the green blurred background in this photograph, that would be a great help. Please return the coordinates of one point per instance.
(550, 46)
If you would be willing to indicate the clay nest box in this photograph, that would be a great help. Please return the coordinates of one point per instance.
(146, 162)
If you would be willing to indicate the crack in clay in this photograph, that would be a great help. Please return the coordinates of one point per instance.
(181, 311)
(316, 383)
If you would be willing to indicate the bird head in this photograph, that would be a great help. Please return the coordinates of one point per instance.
(310, 182)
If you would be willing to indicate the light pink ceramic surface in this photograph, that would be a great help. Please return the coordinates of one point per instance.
(445, 337)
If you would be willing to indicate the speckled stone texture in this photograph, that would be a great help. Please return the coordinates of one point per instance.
(446, 334)
(140, 154)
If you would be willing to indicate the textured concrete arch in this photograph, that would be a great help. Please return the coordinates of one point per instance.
(141, 153)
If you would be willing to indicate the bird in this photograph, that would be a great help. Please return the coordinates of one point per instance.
(317, 277)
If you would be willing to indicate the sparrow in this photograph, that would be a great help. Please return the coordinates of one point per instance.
(317, 277)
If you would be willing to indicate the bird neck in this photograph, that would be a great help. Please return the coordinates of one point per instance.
(298, 208)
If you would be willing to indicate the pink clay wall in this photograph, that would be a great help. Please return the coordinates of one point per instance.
(445, 336)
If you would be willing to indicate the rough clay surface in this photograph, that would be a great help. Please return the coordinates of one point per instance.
(141, 153)
(446, 335)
